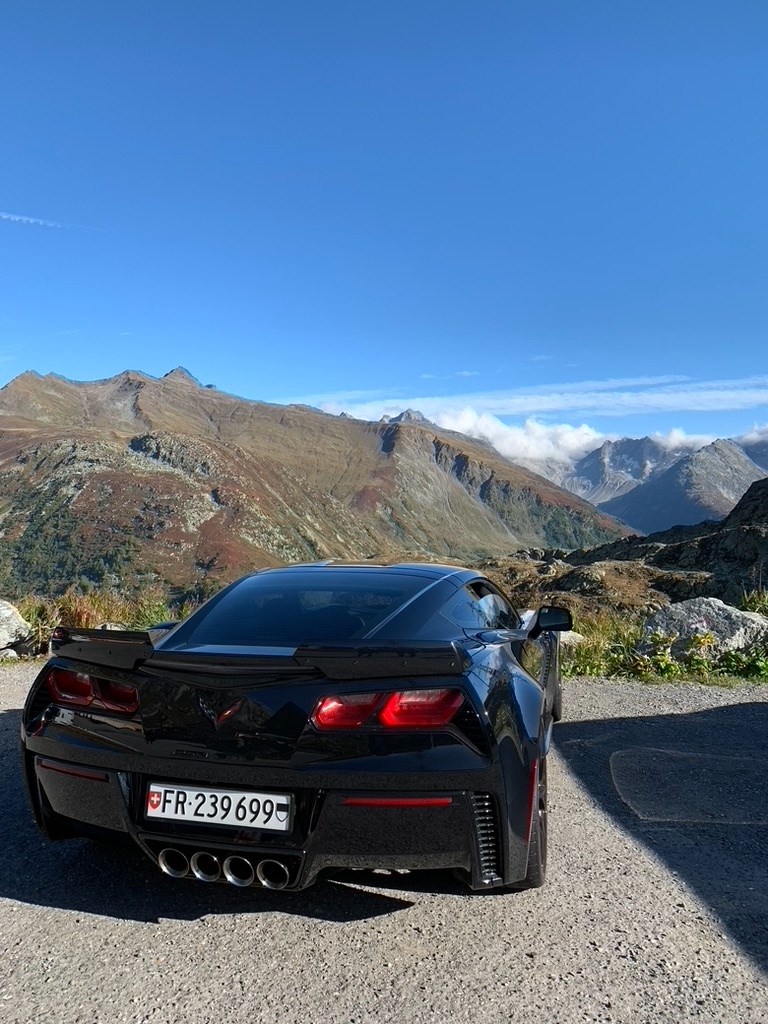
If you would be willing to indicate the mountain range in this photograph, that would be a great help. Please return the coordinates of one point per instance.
(139, 478)
(651, 486)
(136, 477)
(726, 559)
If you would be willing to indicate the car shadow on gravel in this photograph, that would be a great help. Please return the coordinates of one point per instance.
(119, 881)
(694, 789)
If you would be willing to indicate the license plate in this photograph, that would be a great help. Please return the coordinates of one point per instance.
(233, 807)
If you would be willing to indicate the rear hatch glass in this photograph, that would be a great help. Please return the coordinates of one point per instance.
(273, 610)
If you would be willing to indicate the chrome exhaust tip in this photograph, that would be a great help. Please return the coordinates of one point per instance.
(173, 862)
(205, 866)
(272, 874)
(239, 871)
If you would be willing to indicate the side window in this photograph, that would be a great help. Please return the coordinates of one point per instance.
(497, 612)
(479, 606)
(466, 611)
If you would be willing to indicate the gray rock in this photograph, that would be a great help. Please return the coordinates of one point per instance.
(570, 638)
(13, 629)
(732, 630)
(8, 654)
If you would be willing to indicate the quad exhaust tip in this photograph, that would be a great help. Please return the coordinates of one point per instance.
(205, 867)
(238, 871)
(272, 874)
(173, 863)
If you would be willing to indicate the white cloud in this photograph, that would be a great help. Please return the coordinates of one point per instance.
(754, 435)
(18, 218)
(679, 439)
(534, 441)
(449, 376)
(582, 399)
(557, 442)
(479, 413)
(350, 401)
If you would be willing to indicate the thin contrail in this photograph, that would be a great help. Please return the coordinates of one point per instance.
(18, 218)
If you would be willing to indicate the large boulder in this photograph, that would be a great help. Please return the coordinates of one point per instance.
(13, 629)
(731, 629)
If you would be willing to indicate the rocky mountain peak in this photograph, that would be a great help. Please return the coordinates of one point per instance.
(616, 467)
(410, 416)
(702, 485)
(180, 375)
(407, 416)
(652, 484)
(752, 509)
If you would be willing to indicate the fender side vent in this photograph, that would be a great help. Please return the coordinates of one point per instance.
(487, 831)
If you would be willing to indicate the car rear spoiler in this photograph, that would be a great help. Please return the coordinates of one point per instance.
(126, 649)
(119, 648)
(380, 661)
(335, 661)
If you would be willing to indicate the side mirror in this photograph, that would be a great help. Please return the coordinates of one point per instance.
(551, 618)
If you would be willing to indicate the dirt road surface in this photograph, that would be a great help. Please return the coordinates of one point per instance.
(655, 910)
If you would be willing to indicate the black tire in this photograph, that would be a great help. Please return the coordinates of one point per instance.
(557, 703)
(537, 847)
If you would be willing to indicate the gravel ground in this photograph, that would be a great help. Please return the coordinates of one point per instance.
(655, 908)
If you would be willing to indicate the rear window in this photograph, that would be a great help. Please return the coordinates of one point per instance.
(296, 608)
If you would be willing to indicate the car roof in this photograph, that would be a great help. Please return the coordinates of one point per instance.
(427, 570)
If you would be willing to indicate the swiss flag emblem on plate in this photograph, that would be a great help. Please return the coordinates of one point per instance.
(153, 799)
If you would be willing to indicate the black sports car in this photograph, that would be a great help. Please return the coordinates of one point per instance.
(309, 718)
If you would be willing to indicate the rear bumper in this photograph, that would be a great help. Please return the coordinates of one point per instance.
(454, 820)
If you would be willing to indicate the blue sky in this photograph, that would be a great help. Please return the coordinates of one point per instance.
(544, 221)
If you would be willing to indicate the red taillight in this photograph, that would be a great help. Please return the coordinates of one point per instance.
(76, 772)
(425, 709)
(78, 689)
(118, 697)
(345, 712)
(406, 709)
(70, 687)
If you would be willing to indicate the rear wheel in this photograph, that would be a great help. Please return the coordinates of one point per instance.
(557, 703)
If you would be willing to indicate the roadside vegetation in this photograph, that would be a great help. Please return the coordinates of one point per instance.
(93, 608)
(609, 647)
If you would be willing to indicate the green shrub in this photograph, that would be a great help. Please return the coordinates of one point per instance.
(135, 611)
(755, 601)
(607, 649)
(751, 664)
(87, 608)
(698, 658)
(43, 614)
